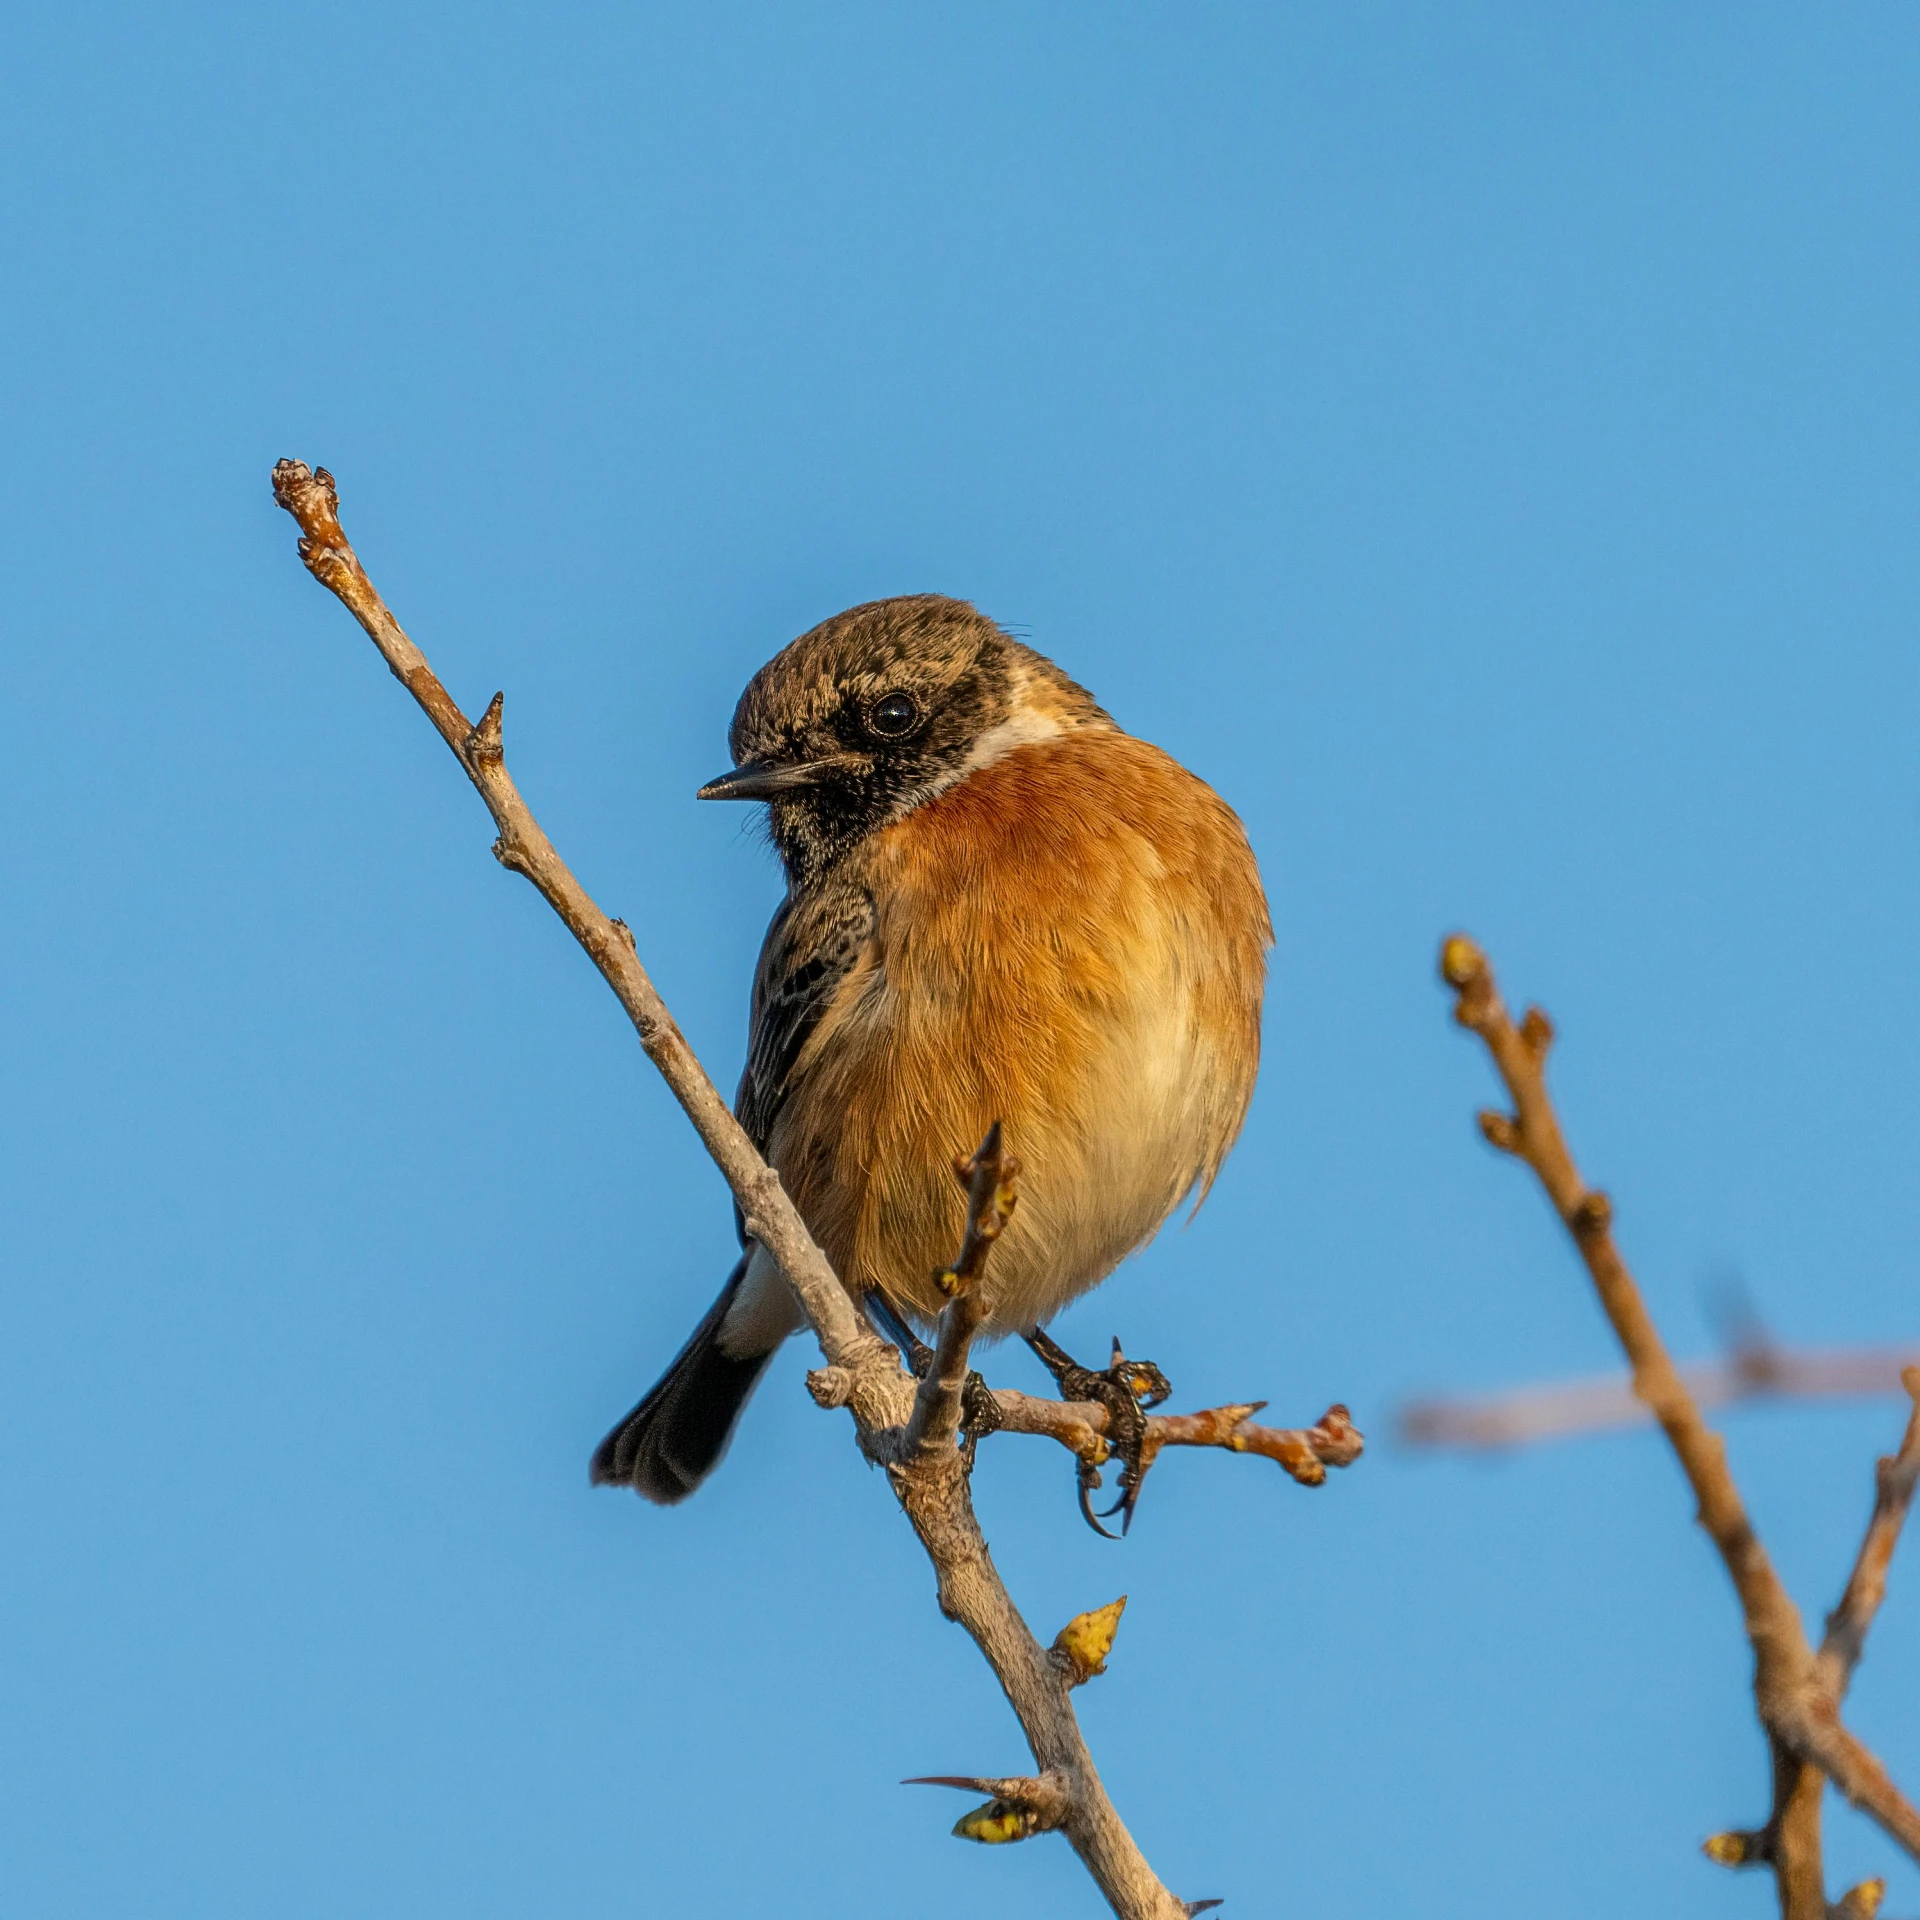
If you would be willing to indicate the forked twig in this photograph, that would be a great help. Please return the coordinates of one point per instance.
(1796, 1695)
(1894, 1480)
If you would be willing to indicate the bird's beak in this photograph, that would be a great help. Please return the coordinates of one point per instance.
(762, 779)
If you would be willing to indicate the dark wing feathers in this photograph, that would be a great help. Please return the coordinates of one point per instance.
(809, 950)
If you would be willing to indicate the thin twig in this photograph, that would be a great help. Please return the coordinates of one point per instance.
(988, 1177)
(862, 1373)
(1894, 1480)
(1791, 1837)
(1796, 1709)
(1080, 1426)
(772, 1218)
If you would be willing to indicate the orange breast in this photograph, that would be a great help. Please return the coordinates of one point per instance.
(1071, 940)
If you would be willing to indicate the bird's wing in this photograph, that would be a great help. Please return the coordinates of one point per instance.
(809, 950)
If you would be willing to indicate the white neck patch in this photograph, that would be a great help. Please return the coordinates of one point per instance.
(1024, 728)
(1020, 730)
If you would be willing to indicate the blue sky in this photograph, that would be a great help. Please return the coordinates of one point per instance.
(1481, 442)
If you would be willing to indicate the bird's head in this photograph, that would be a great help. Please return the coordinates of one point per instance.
(880, 708)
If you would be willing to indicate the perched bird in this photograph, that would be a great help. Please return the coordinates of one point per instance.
(1000, 906)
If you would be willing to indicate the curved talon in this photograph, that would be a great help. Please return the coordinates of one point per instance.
(1087, 1513)
(1130, 1480)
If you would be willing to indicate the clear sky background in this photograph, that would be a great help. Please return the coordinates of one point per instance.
(1481, 441)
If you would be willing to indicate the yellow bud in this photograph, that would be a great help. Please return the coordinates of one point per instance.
(1728, 1849)
(1862, 1902)
(1082, 1645)
(997, 1823)
(1461, 962)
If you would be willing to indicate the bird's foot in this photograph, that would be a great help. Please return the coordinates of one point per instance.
(1126, 1388)
(980, 1415)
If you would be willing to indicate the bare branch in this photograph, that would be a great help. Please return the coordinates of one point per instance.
(862, 1373)
(1790, 1841)
(1894, 1481)
(1811, 1728)
(1081, 1426)
(1305, 1453)
(1593, 1406)
(1798, 1712)
(988, 1177)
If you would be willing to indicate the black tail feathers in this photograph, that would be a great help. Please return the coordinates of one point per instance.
(674, 1438)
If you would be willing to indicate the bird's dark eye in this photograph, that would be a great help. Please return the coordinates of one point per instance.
(894, 717)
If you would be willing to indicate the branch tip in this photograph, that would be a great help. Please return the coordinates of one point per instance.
(483, 743)
(1738, 1849)
(1861, 1902)
(309, 494)
(988, 1176)
(830, 1386)
(966, 1165)
(1461, 962)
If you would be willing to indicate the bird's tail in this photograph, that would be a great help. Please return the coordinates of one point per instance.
(674, 1438)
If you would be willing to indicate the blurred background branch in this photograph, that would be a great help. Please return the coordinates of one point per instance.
(1562, 1409)
(1796, 1695)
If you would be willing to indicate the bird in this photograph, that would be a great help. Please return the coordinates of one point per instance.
(1000, 906)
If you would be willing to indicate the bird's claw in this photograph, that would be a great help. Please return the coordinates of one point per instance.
(980, 1412)
(1126, 1388)
(980, 1415)
(1089, 1480)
